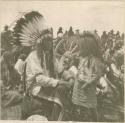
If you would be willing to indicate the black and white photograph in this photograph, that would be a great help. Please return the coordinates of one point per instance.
(62, 61)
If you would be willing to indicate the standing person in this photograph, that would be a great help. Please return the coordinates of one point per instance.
(59, 36)
(70, 32)
(40, 73)
(77, 32)
(8, 74)
(117, 36)
(10, 79)
(60, 32)
(6, 65)
(89, 72)
(112, 35)
(104, 38)
(122, 36)
(6, 38)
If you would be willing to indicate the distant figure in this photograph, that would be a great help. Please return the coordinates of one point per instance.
(104, 38)
(77, 32)
(66, 33)
(95, 31)
(60, 32)
(52, 30)
(70, 32)
(111, 35)
(97, 35)
(6, 39)
(84, 32)
(6, 65)
(10, 79)
(117, 36)
(122, 36)
(9, 76)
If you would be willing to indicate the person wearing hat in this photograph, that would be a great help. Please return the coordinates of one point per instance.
(10, 79)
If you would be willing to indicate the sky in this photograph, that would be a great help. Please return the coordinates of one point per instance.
(83, 15)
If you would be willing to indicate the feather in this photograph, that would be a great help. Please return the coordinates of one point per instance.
(30, 28)
(74, 48)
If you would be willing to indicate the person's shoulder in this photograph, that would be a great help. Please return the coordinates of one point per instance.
(32, 55)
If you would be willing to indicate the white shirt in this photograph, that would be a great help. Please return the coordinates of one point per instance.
(33, 67)
(19, 66)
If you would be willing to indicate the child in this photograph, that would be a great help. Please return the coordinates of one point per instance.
(89, 72)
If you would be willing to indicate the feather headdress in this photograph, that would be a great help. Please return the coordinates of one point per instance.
(30, 29)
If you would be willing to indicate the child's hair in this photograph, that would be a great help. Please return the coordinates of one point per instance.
(89, 46)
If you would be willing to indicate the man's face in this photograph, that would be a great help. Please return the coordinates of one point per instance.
(48, 43)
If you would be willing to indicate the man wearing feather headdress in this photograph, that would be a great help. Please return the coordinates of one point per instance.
(31, 31)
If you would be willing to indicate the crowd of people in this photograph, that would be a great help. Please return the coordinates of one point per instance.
(86, 87)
